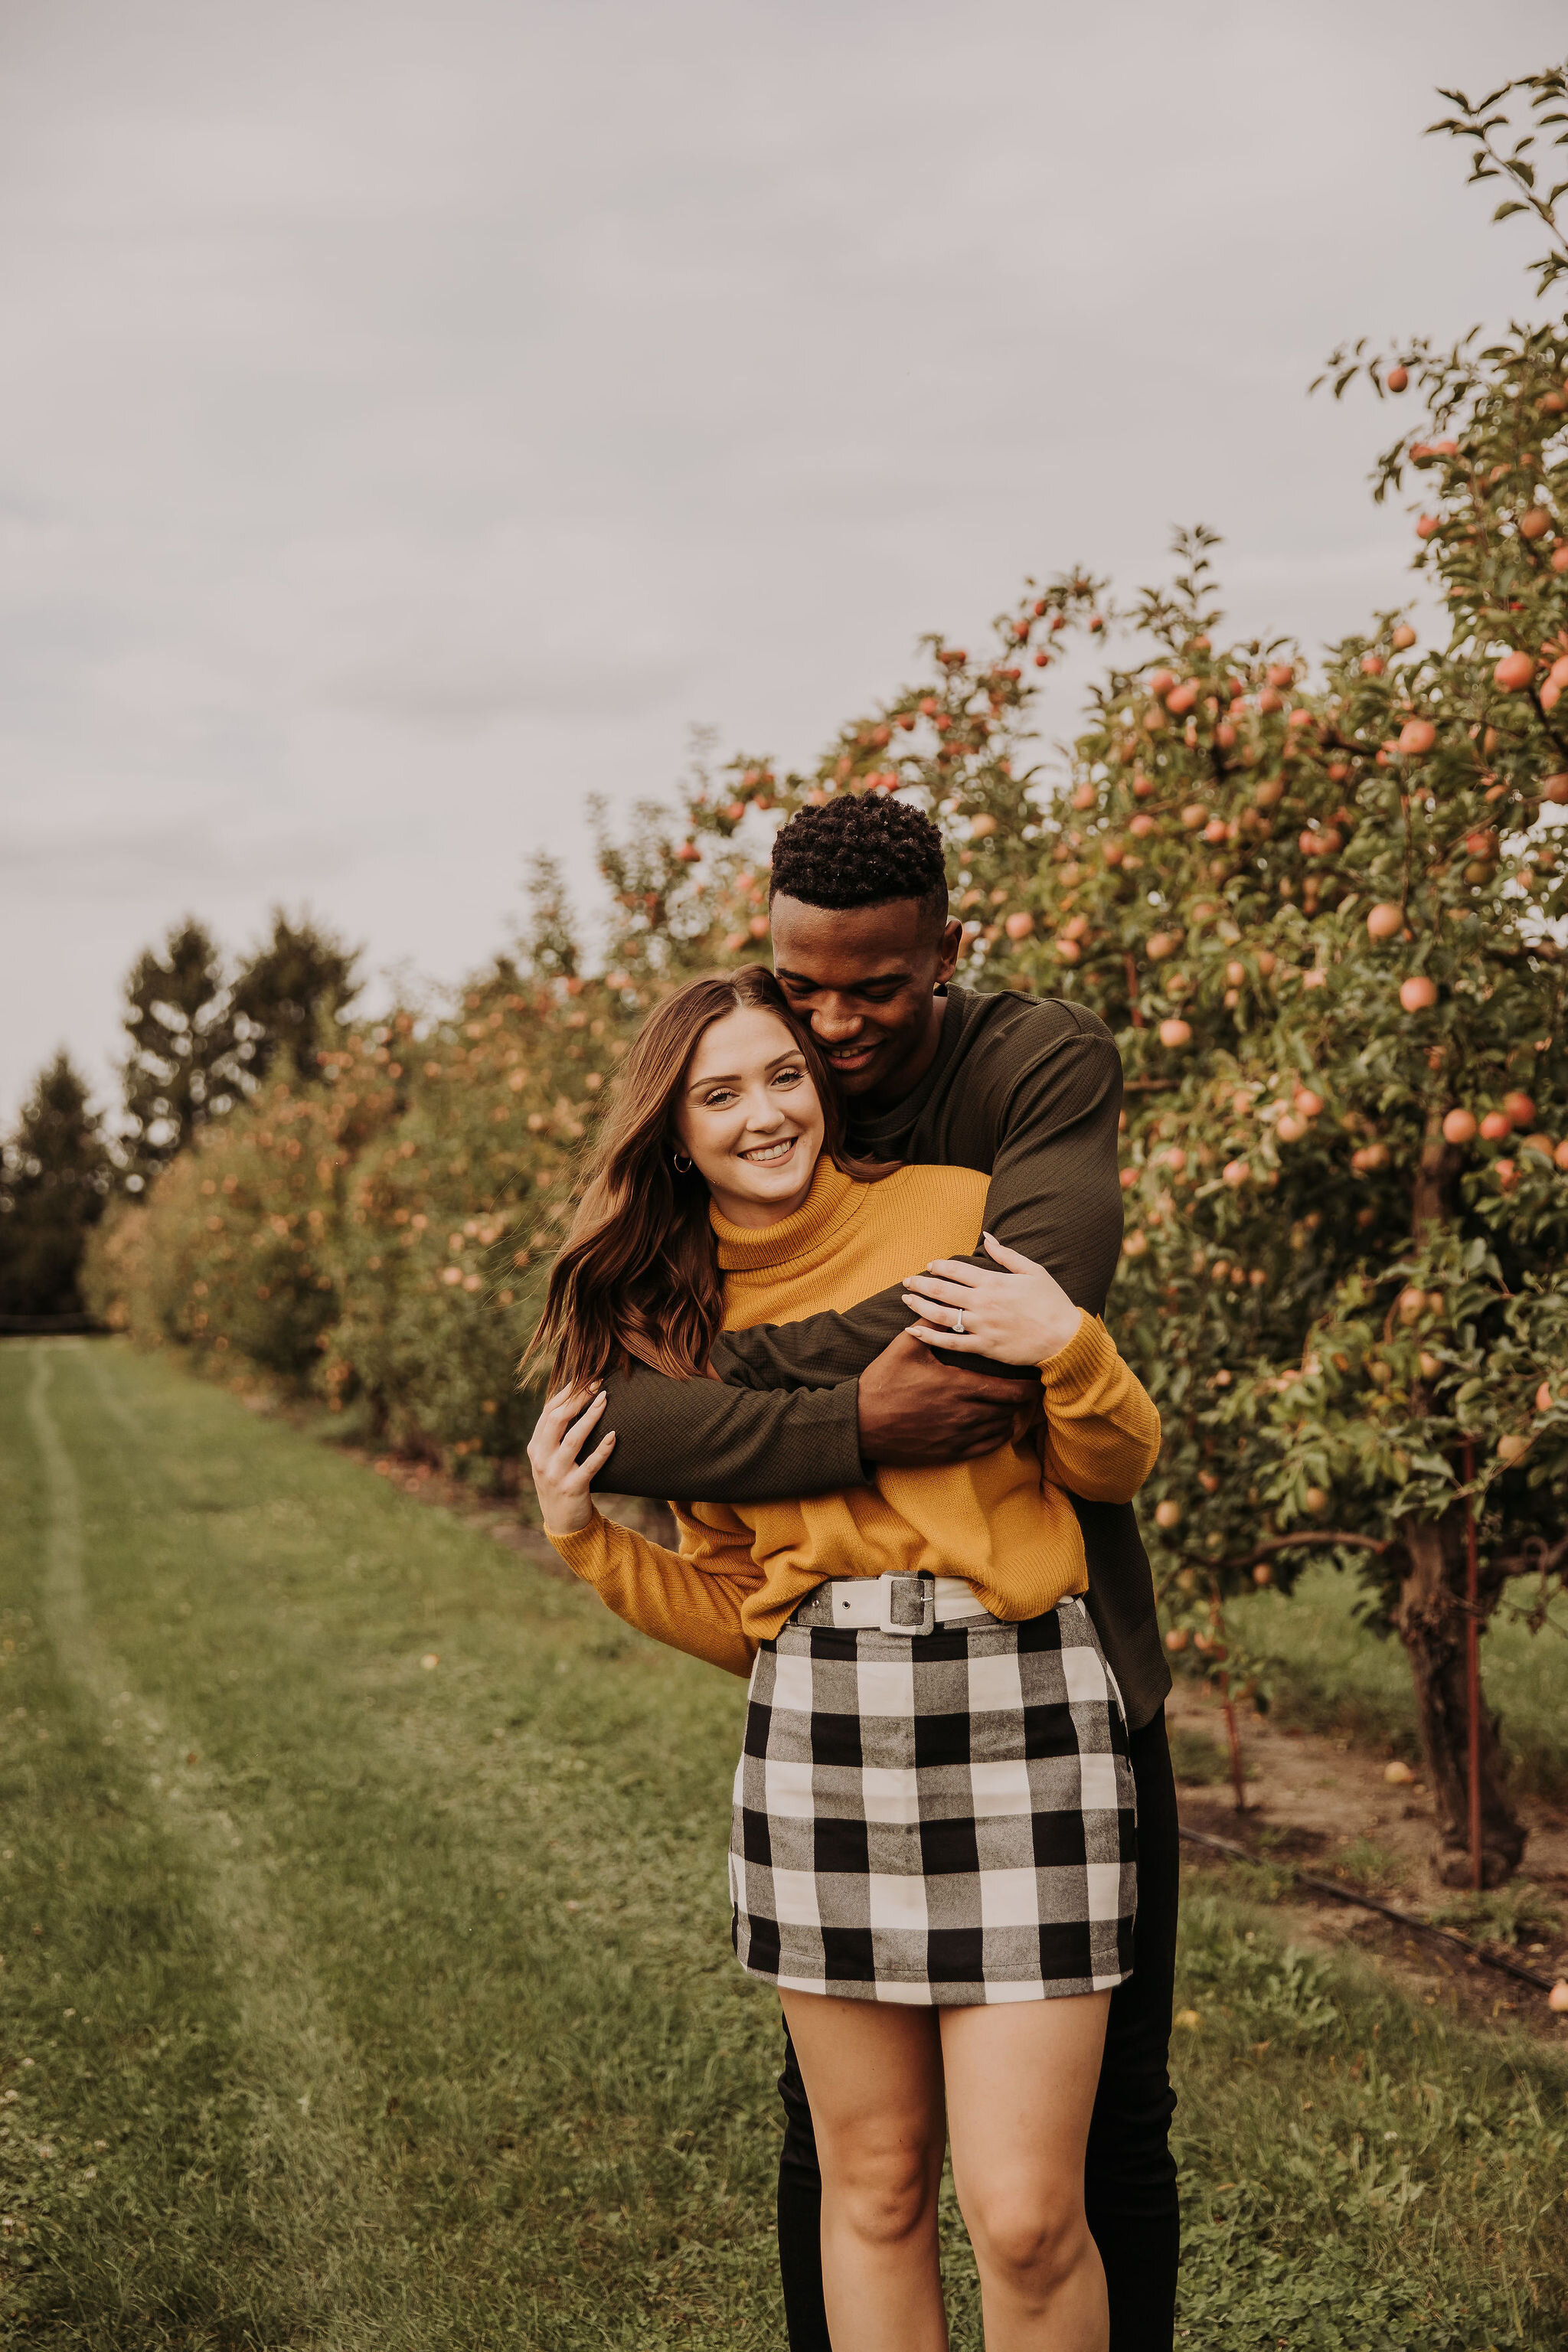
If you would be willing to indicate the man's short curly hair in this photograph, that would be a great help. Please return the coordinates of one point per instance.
(861, 849)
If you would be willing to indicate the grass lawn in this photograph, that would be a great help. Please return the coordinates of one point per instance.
(353, 2000)
(1327, 1672)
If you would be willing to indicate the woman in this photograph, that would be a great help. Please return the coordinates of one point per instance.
(932, 1846)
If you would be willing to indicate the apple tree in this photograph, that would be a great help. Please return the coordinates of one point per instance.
(1324, 923)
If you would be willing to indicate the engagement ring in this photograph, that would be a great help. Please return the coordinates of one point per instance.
(958, 1320)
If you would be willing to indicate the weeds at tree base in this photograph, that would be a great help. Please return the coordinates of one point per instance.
(1198, 1761)
(1365, 1865)
(1516, 1914)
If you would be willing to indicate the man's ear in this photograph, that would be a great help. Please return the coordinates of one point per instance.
(947, 957)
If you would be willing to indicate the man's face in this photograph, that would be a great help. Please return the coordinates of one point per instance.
(866, 979)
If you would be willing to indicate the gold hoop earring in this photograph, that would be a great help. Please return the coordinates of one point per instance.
(680, 1163)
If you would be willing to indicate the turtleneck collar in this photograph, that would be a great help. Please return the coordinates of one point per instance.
(805, 1238)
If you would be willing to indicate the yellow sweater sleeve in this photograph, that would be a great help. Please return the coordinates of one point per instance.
(1102, 1432)
(690, 1599)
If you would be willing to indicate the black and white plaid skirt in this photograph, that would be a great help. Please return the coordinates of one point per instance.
(944, 1818)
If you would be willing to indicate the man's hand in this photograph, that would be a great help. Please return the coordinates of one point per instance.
(914, 1411)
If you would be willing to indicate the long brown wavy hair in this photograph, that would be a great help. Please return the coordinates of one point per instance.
(637, 1279)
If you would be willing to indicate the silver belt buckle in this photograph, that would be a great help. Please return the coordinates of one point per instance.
(908, 1602)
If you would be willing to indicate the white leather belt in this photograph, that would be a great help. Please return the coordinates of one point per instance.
(902, 1602)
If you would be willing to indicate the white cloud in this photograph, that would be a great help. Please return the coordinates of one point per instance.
(414, 418)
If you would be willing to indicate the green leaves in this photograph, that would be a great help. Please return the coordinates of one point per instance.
(1490, 161)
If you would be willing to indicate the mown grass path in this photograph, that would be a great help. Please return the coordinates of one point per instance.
(412, 2015)
(349, 2001)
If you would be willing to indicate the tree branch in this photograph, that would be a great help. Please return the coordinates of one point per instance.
(1559, 742)
(1539, 951)
(1326, 1538)
(1535, 1558)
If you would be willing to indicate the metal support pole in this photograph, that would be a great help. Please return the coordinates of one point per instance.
(1473, 1669)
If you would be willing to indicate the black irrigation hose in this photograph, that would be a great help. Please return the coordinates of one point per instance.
(1385, 1910)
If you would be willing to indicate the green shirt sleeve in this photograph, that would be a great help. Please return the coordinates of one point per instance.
(728, 1444)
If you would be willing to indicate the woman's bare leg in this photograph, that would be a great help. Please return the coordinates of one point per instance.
(873, 2076)
(1021, 2078)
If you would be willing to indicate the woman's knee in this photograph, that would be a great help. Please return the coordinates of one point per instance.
(883, 2187)
(1035, 2241)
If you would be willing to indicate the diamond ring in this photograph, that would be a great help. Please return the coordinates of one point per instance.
(958, 1320)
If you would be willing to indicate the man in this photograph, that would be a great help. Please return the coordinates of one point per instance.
(1030, 1093)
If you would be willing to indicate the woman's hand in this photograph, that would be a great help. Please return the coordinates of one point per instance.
(1021, 1316)
(562, 1481)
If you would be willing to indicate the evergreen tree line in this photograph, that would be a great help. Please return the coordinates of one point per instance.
(201, 1034)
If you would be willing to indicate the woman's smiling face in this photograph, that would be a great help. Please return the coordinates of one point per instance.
(749, 1117)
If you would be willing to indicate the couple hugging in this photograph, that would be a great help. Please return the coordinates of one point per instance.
(837, 1280)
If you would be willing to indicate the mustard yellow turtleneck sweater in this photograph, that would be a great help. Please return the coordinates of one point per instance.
(740, 1571)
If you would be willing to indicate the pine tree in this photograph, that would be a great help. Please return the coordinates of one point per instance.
(183, 1067)
(54, 1178)
(302, 978)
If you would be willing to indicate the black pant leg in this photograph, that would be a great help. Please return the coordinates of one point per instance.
(800, 2215)
(1130, 2174)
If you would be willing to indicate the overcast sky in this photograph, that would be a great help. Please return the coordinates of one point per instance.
(414, 418)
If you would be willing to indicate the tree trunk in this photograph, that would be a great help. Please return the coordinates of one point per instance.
(1431, 1618)
(1436, 1172)
(1431, 1623)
